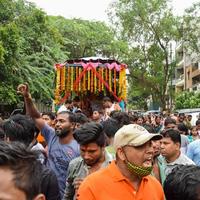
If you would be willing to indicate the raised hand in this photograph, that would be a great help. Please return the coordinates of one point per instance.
(23, 89)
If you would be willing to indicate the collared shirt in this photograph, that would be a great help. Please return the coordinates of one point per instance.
(79, 169)
(110, 184)
(161, 167)
(181, 160)
(193, 151)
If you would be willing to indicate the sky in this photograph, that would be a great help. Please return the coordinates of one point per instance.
(91, 9)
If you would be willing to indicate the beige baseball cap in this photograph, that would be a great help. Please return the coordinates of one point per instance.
(134, 135)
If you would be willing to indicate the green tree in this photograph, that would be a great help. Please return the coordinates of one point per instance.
(32, 42)
(29, 47)
(149, 27)
(190, 29)
(187, 100)
(85, 38)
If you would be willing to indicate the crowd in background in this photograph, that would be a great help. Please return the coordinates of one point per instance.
(111, 154)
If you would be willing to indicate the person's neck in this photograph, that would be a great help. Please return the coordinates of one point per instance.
(111, 141)
(174, 157)
(155, 159)
(67, 139)
(135, 180)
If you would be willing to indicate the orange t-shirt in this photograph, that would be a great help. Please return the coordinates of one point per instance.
(40, 138)
(110, 184)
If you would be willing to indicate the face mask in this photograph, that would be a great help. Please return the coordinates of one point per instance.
(138, 170)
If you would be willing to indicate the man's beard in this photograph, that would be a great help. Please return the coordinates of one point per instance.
(62, 133)
(93, 162)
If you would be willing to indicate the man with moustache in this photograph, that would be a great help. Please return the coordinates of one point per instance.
(171, 150)
(62, 147)
(93, 157)
(128, 176)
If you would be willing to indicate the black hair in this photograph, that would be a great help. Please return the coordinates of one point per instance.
(110, 127)
(68, 101)
(89, 133)
(149, 128)
(113, 113)
(76, 99)
(81, 118)
(122, 118)
(169, 120)
(51, 115)
(198, 122)
(71, 116)
(133, 118)
(107, 99)
(20, 128)
(173, 134)
(158, 116)
(183, 183)
(99, 110)
(2, 133)
(181, 115)
(183, 128)
(24, 166)
(78, 110)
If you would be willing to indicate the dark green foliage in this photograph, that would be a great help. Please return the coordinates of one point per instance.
(187, 100)
(32, 42)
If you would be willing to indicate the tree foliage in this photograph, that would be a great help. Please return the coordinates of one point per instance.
(187, 100)
(149, 27)
(190, 27)
(32, 42)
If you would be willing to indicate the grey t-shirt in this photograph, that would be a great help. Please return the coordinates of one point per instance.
(181, 160)
(59, 155)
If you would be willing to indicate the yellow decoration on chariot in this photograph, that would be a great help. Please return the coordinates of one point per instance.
(79, 88)
(72, 78)
(102, 84)
(92, 81)
(62, 81)
(68, 78)
(88, 80)
(115, 85)
(106, 72)
(84, 81)
(95, 83)
(77, 75)
(57, 90)
(110, 79)
(99, 86)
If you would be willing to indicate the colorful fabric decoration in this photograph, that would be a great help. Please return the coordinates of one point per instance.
(90, 78)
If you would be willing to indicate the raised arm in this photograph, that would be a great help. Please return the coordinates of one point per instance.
(31, 109)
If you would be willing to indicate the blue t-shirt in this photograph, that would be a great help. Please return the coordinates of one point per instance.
(193, 151)
(59, 155)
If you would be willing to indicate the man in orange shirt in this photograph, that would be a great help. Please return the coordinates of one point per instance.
(129, 176)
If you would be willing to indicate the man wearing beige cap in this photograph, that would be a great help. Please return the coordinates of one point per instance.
(128, 177)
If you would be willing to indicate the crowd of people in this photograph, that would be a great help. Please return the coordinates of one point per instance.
(111, 154)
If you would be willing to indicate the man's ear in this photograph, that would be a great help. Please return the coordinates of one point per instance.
(40, 197)
(120, 154)
(73, 125)
(178, 145)
(6, 139)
